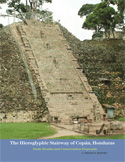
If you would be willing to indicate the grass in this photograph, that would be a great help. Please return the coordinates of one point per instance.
(25, 130)
(37, 130)
(121, 119)
(93, 137)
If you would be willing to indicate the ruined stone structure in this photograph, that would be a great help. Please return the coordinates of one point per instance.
(65, 89)
(117, 34)
(62, 83)
(103, 63)
(20, 95)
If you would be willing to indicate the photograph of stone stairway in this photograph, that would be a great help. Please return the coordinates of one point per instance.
(70, 102)
(63, 85)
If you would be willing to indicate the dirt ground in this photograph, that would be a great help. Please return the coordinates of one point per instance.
(61, 132)
(66, 132)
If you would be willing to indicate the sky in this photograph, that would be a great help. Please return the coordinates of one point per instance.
(65, 11)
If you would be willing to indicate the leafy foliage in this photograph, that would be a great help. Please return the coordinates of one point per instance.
(91, 22)
(44, 15)
(3, 1)
(96, 35)
(1, 26)
(103, 16)
(121, 8)
(26, 10)
(86, 9)
(16, 5)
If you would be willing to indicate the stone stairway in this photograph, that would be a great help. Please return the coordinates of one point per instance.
(62, 83)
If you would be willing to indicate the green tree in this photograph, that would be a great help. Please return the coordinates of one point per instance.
(91, 23)
(45, 16)
(121, 10)
(103, 16)
(27, 10)
(35, 4)
(86, 9)
(1, 26)
(3, 1)
(16, 6)
(106, 17)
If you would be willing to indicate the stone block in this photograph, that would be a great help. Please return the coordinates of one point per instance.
(116, 125)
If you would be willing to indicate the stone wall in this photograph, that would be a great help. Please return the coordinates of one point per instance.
(22, 116)
(102, 60)
(117, 34)
(16, 95)
(17, 116)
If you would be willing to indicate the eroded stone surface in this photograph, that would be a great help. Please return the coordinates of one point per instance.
(63, 85)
